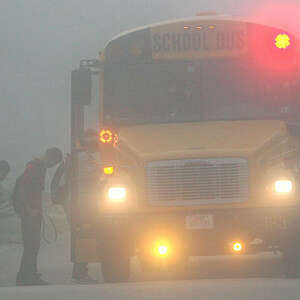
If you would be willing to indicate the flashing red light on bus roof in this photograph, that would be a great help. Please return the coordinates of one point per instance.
(273, 50)
(282, 41)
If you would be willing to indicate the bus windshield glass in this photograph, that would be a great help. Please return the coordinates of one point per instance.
(211, 90)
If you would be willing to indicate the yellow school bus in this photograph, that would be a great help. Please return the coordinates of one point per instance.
(194, 146)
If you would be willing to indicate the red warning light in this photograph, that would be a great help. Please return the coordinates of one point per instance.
(106, 136)
(272, 49)
(282, 41)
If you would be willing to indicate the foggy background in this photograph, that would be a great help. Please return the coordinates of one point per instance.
(42, 41)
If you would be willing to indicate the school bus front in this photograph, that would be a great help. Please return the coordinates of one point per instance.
(195, 140)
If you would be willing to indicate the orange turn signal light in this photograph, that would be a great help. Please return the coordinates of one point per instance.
(108, 170)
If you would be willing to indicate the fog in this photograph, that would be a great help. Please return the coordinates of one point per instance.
(42, 41)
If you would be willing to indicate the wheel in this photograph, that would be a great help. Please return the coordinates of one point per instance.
(290, 247)
(179, 269)
(116, 268)
(292, 266)
(117, 247)
(291, 258)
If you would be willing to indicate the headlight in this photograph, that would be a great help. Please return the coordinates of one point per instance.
(237, 247)
(162, 250)
(283, 186)
(117, 194)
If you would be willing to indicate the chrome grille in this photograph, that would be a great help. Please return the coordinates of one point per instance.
(197, 181)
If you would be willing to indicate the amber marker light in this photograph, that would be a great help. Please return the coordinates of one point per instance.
(212, 27)
(282, 41)
(108, 170)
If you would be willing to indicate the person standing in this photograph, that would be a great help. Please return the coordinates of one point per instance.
(31, 187)
(60, 194)
(4, 169)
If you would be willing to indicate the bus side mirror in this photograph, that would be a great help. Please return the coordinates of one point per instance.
(81, 86)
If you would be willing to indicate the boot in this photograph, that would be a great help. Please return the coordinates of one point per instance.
(39, 281)
(84, 279)
(28, 281)
(80, 274)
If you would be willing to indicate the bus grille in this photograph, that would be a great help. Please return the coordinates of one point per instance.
(197, 181)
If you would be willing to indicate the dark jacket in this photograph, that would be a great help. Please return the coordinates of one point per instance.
(59, 190)
(33, 183)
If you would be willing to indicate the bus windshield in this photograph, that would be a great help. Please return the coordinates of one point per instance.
(211, 90)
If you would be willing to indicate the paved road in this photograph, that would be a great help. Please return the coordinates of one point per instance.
(210, 278)
(206, 289)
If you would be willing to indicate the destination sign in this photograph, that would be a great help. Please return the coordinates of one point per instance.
(192, 44)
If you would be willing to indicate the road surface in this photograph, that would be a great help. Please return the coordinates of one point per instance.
(210, 278)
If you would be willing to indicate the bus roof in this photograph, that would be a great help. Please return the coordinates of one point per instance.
(208, 17)
(181, 20)
(195, 18)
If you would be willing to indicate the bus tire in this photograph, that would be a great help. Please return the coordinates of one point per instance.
(116, 268)
(180, 266)
(291, 259)
(292, 267)
(290, 248)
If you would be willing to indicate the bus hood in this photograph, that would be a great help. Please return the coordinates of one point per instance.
(203, 139)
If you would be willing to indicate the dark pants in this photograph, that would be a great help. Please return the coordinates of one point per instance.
(31, 234)
(80, 270)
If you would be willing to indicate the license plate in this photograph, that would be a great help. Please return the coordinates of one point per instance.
(194, 222)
